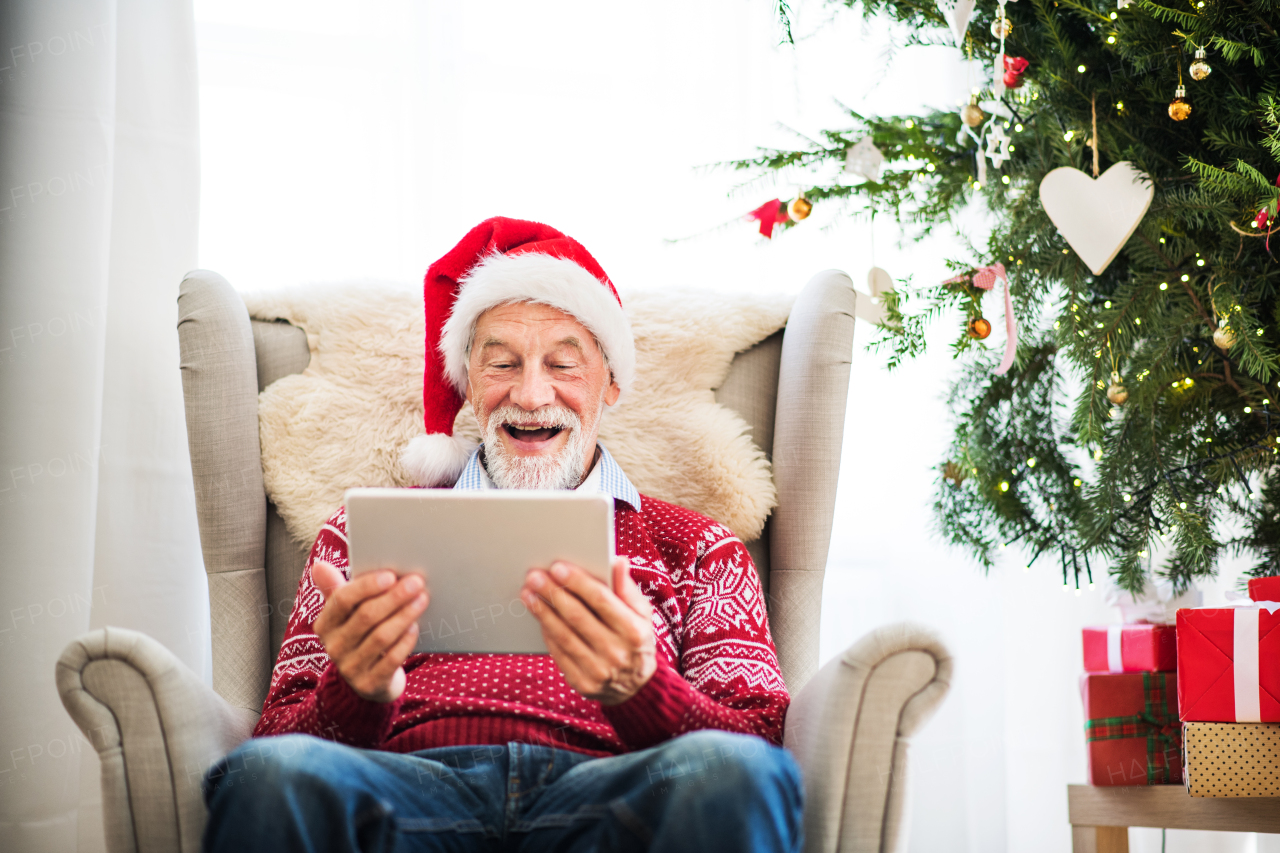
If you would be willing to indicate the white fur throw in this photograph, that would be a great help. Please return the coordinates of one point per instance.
(343, 421)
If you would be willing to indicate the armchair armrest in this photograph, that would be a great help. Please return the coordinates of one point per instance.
(156, 728)
(849, 728)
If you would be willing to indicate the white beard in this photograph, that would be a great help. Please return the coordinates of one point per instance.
(560, 471)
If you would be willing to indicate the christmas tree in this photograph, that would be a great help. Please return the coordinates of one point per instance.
(1136, 430)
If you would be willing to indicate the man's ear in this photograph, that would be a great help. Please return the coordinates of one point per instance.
(613, 391)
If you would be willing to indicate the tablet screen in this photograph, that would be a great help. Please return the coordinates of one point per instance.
(473, 549)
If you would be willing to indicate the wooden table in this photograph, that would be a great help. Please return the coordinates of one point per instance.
(1101, 817)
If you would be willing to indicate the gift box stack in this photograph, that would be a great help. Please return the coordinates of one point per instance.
(1229, 695)
(1130, 693)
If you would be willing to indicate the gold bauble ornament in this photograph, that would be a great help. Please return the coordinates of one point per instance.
(979, 327)
(1200, 68)
(1180, 107)
(971, 113)
(1001, 28)
(800, 208)
(1223, 338)
(1116, 392)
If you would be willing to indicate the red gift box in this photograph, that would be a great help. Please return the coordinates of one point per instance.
(1132, 732)
(1265, 589)
(1131, 648)
(1229, 665)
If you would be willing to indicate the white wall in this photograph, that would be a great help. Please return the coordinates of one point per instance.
(339, 143)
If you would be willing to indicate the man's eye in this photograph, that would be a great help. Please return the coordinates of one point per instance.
(501, 365)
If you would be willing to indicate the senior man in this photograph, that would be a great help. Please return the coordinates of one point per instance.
(654, 722)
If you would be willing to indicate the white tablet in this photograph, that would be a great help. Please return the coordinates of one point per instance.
(473, 549)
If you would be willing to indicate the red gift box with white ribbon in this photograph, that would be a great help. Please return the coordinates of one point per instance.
(1265, 589)
(1229, 663)
(1134, 647)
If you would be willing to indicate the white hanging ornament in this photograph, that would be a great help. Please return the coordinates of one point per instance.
(1001, 28)
(864, 159)
(996, 108)
(1123, 4)
(1097, 216)
(997, 145)
(878, 281)
(872, 310)
(957, 13)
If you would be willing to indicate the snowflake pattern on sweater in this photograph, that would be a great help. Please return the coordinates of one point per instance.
(717, 665)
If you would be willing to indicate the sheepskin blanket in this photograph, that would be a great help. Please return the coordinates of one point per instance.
(343, 421)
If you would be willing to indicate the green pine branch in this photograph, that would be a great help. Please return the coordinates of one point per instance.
(1187, 315)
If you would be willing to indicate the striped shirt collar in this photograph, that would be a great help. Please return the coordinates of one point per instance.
(606, 477)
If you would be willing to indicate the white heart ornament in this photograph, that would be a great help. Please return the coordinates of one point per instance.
(871, 308)
(1097, 217)
(957, 13)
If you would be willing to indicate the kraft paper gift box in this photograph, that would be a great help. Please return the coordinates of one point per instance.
(1132, 734)
(1229, 663)
(1232, 759)
(1135, 647)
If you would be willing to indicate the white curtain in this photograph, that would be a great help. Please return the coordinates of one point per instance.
(98, 221)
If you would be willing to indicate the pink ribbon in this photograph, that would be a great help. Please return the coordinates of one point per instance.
(985, 278)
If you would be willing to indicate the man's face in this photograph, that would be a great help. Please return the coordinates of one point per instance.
(538, 384)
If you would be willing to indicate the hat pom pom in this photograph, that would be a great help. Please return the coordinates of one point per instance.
(436, 459)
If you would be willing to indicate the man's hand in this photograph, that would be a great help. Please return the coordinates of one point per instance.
(602, 639)
(369, 626)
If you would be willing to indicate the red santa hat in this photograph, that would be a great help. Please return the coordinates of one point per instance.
(501, 261)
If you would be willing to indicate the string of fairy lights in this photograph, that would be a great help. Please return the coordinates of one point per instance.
(1141, 502)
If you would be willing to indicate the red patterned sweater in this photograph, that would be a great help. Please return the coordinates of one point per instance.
(717, 666)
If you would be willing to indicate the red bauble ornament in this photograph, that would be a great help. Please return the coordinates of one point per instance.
(1260, 221)
(1014, 68)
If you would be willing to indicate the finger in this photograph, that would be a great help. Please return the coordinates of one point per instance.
(571, 609)
(573, 674)
(573, 650)
(327, 578)
(611, 610)
(343, 638)
(340, 603)
(625, 587)
(385, 635)
(371, 612)
(395, 656)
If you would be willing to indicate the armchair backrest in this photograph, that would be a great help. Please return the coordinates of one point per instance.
(791, 389)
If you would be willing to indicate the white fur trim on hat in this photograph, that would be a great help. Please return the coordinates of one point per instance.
(436, 459)
(547, 280)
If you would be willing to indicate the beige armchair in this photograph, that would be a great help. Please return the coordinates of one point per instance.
(157, 727)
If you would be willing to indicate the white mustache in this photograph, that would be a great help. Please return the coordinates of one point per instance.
(547, 417)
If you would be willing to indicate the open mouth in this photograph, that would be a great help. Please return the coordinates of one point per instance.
(531, 434)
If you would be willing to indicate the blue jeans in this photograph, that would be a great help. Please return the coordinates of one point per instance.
(704, 792)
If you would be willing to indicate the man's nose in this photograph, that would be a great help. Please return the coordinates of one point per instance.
(533, 390)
